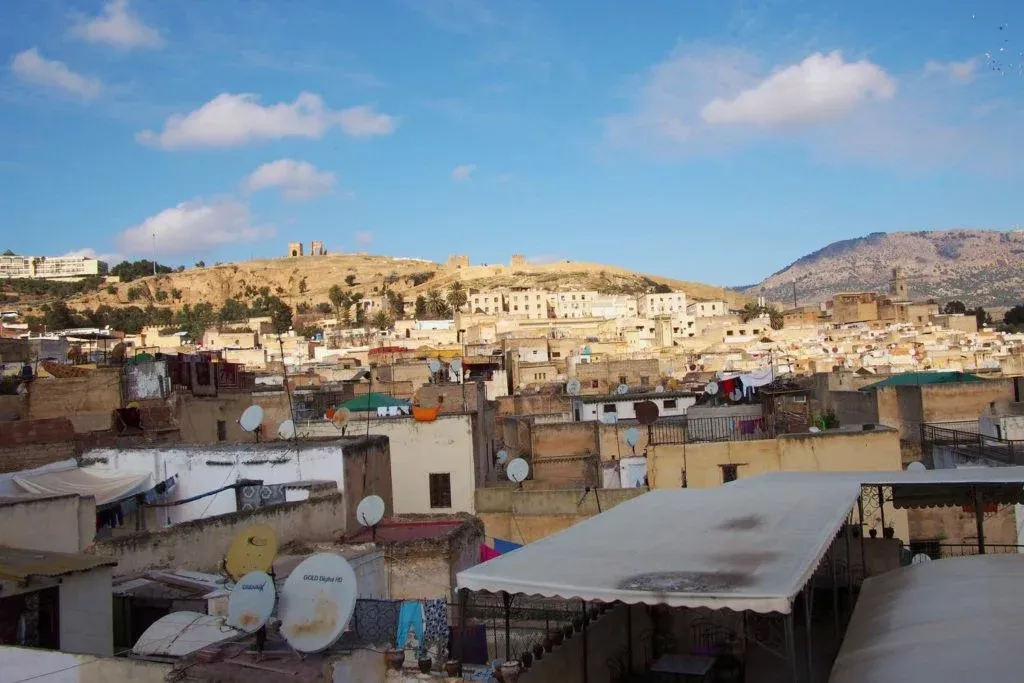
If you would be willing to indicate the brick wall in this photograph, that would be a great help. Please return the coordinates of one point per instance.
(26, 444)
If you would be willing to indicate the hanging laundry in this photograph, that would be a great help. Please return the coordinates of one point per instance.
(488, 553)
(726, 386)
(469, 644)
(758, 378)
(377, 621)
(410, 618)
(435, 629)
(505, 546)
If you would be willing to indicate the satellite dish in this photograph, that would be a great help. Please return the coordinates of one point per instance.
(502, 456)
(711, 388)
(286, 430)
(254, 549)
(916, 466)
(181, 633)
(340, 417)
(518, 470)
(370, 511)
(736, 395)
(434, 365)
(456, 365)
(659, 389)
(251, 602)
(609, 418)
(622, 389)
(572, 387)
(920, 558)
(251, 419)
(647, 412)
(632, 437)
(317, 602)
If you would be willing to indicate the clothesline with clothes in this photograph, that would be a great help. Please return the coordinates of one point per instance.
(113, 514)
(497, 548)
(737, 387)
(420, 625)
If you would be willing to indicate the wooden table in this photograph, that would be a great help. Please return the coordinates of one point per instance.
(685, 667)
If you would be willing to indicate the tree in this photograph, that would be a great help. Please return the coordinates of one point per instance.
(57, 316)
(134, 293)
(280, 315)
(8, 252)
(196, 320)
(132, 270)
(436, 305)
(176, 294)
(749, 312)
(382, 321)
(302, 286)
(775, 318)
(200, 264)
(233, 310)
(1015, 316)
(111, 289)
(457, 297)
(420, 307)
(752, 310)
(339, 299)
(982, 316)
(324, 308)
(396, 304)
(954, 308)
(160, 295)
(350, 280)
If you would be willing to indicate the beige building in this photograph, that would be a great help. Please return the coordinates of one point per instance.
(533, 304)
(707, 309)
(574, 304)
(662, 304)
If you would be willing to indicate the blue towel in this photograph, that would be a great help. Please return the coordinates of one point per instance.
(410, 617)
(505, 546)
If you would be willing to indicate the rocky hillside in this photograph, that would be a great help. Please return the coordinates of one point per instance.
(978, 267)
(307, 279)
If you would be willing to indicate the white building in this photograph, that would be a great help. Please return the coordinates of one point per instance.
(662, 304)
(707, 309)
(574, 304)
(617, 407)
(532, 304)
(48, 267)
(489, 302)
(614, 306)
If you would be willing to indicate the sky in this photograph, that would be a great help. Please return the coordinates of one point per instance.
(708, 140)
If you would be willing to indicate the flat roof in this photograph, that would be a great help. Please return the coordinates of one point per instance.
(961, 475)
(743, 548)
(632, 396)
(19, 564)
(945, 621)
(404, 531)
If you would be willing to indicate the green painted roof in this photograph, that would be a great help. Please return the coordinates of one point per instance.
(372, 401)
(908, 379)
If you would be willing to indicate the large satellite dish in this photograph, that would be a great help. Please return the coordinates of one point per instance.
(181, 633)
(254, 549)
(920, 558)
(647, 412)
(518, 470)
(251, 419)
(632, 437)
(370, 511)
(502, 456)
(341, 417)
(456, 365)
(434, 365)
(251, 602)
(286, 430)
(317, 602)
(916, 466)
(573, 387)
(659, 389)
(609, 418)
(622, 389)
(711, 388)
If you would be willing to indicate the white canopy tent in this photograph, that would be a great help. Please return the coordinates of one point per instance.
(106, 487)
(943, 622)
(743, 548)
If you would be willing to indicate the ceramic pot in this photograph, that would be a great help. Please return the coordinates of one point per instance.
(453, 668)
(526, 659)
(567, 631)
(538, 652)
(557, 636)
(426, 664)
(510, 672)
(395, 659)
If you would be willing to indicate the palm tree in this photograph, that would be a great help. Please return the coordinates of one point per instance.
(457, 297)
(436, 306)
(382, 321)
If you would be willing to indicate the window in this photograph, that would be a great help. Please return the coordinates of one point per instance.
(623, 379)
(540, 375)
(729, 473)
(222, 430)
(556, 354)
(595, 384)
(441, 490)
(608, 408)
(670, 403)
(644, 380)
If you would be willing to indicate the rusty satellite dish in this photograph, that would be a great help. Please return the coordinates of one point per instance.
(647, 412)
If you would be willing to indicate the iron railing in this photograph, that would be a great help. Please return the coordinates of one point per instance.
(972, 445)
(707, 429)
(962, 549)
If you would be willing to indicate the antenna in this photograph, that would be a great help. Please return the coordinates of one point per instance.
(369, 512)
(253, 549)
(251, 419)
(317, 602)
(286, 430)
(622, 389)
(572, 387)
(518, 470)
(251, 602)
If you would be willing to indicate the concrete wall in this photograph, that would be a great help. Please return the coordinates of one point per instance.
(523, 516)
(87, 613)
(367, 471)
(534, 404)
(26, 444)
(906, 407)
(200, 545)
(954, 526)
(48, 666)
(88, 401)
(417, 450)
(11, 407)
(69, 522)
(197, 417)
(853, 407)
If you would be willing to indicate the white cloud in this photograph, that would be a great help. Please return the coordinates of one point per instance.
(233, 120)
(820, 88)
(116, 26)
(463, 172)
(193, 226)
(32, 67)
(298, 180)
(363, 238)
(958, 72)
(89, 252)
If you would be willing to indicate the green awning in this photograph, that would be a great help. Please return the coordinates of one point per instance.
(923, 378)
(372, 401)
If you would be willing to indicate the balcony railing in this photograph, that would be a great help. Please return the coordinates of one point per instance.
(707, 429)
(972, 445)
(962, 549)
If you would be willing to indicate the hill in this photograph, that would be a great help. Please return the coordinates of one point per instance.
(978, 267)
(307, 279)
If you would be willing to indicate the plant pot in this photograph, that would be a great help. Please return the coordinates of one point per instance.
(526, 659)
(549, 640)
(567, 631)
(510, 672)
(498, 676)
(395, 659)
(888, 532)
(538, 652)
(453, 668)
(577, 624)
(425, 664)
(594, 613)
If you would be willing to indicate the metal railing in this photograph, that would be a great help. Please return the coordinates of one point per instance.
(972, 445)
(708, 429)
(963, 549)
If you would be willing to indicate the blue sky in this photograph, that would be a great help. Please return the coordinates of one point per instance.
(711, 140)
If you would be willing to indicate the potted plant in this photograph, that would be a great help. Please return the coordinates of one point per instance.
(395, 659)
(888, 532)
(453, 668)
(538, 651)
(577, 624)
(567, 631)
(526, 659)
(510, 672)
(425, 663)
